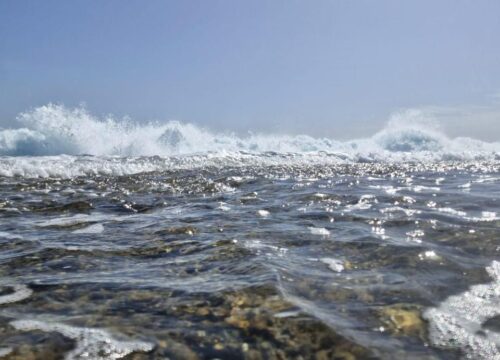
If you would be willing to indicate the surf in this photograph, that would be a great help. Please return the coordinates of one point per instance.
(54, 129)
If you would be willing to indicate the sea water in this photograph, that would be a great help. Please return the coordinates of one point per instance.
(120, 240)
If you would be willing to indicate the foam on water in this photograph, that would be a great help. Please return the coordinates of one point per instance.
(335, 265)
(54, 130)
(451, 211)
(93, 344)
(459, 321)
(19, 292)
(263, 213)
(5, 351)
(319, 231)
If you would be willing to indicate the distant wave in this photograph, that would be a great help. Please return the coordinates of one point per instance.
(56, 130)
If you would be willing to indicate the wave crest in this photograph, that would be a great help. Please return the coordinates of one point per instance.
(56, 130)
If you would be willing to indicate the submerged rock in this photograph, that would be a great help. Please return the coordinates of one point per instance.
(182, 230)
(404, 320)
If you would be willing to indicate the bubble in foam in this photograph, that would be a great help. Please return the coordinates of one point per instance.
(93, 344)
(459, 321)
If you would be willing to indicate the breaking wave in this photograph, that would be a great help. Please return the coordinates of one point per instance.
(56, 130)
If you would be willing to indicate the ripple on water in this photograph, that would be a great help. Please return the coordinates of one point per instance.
(246, 253)
(92, 229)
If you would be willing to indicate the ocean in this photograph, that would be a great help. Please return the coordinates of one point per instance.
(155, 241)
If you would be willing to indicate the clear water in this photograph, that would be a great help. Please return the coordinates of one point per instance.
(266, 255)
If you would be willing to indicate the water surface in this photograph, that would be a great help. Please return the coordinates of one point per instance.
(266, 256)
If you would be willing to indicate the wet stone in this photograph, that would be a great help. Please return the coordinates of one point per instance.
(403, 319)
(37, 345)
(74, 207)
(182, 230)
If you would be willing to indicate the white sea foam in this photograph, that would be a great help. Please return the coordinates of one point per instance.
(319, 231)
(489, 215)
(458, 322)
(365, 202)
(451, 211)
(263, 213)
(335, 265)
(395, 209)
(486, 216)
(20, 292)
(93, 344)
(54, 130)
(4, 351)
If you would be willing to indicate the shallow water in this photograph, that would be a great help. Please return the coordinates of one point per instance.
(269, 256)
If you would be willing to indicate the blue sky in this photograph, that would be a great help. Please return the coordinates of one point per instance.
(326, 68)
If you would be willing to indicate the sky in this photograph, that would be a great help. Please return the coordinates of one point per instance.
(335, 68)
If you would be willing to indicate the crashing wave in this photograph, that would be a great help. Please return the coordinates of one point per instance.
(56, 130)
